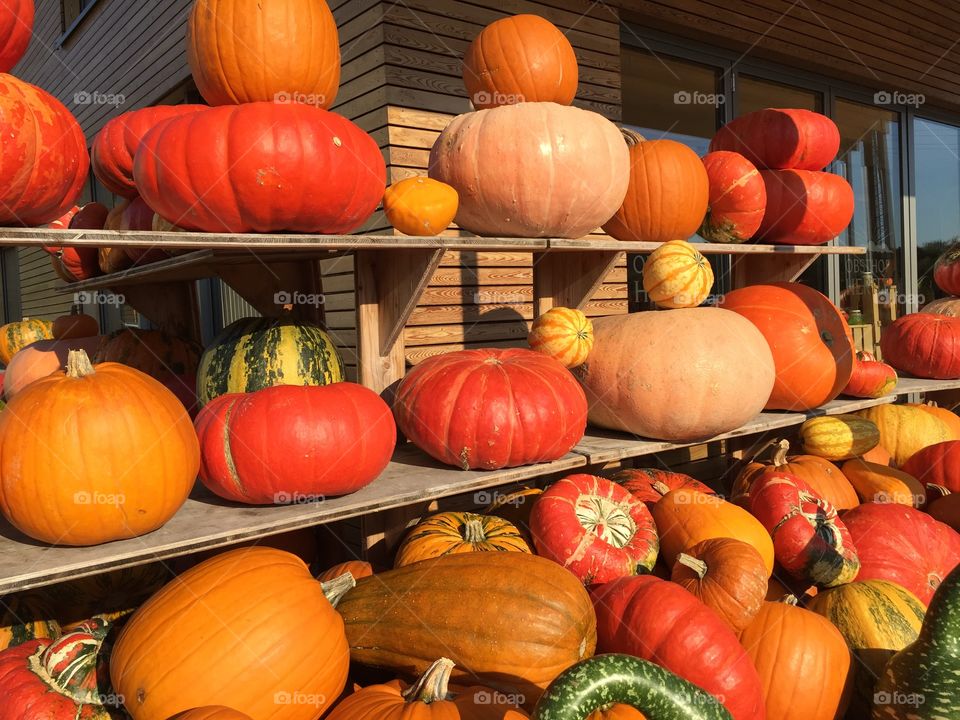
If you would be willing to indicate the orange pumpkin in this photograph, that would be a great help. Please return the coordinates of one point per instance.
(905, 430)
(449, 533)
(884, 484)
(727, 575)
(75, 325)
(667, 195)
(125, 459)
(520, 58)
(292, 645)
(877, 455)
(211, 712)
(949, 418)
(676, 275)
(357, 568)
(565, 334)
(245, 51)
(796, 650)
(420, 206)
(823, 476)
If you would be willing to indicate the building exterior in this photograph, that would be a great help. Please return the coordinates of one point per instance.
(888, 74)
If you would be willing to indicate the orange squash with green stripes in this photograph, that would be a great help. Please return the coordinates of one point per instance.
(449, 533)
(17, 335)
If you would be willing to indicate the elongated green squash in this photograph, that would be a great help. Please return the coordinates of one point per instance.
(626, 680)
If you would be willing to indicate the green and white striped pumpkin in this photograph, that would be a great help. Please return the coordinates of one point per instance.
(606, 680)
(256, 353)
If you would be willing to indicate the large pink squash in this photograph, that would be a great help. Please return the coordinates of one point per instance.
(533, 170)
(261, 167)
(681, 375)
(41, 358)
(16, 29)
(43, 155)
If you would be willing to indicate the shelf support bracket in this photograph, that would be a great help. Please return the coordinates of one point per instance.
(569, 278)
(172, 306)
(268, 286)
(761, 268)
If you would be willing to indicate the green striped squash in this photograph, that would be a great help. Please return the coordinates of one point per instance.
(922, 681)
(17, 335)
(255, 353)
(877, 618)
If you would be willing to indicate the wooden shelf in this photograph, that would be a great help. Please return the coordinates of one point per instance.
(206, 522)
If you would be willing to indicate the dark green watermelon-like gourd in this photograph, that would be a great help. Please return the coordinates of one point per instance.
(605, 680)
(922, 681)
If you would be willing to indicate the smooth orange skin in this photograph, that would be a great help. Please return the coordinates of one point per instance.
(420, 206)
(212, 712)
(357, 568)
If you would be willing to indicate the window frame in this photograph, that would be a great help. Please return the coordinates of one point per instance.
(69, 28)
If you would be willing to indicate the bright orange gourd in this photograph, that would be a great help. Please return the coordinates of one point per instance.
(676, 275)
(565, 334)
(420, 206)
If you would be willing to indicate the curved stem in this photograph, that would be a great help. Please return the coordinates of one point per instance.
(695, 564)
(790, 599)
(432, 685)
(660, 486)
(632, 137)
(78, 364)
(473, 531)
(338, 587)
(780, 456)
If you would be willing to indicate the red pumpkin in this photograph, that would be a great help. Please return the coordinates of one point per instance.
(937, 464)
(903, 545)
(946, 271)
(871, 379)
(43, 155)
(289, 444)
(489, 409)
(924, 345)
(266, 168)
(651, 484)
(92, 216)
(804, 207)
(594, 528)
(812, 344)
(659, 621)
(809, 540)
(117, 142)
(738, 198)
(781, 138)
(16, 28)
(80, 263)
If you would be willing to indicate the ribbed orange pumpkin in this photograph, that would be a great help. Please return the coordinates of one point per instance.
(565, 334)
(449, 533)
(949, 418)
(420, 206)
(676, 275)
(943, 306)
(617, 712)
(212, 712)
(17, 335)
(249, 627)
(155, 352)
(357, 568)
(520, 58)
(244, 51)
(668, 192)
(125, 455)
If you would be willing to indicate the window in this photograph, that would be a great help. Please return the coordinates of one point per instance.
(72, 11)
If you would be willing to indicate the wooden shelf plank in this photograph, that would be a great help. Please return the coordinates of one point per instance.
(643, 248)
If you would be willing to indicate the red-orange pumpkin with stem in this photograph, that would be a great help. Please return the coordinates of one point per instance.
(16, 28)
(738, 198)
(871, 379)
(651, 484)
(937, 464)
(924, 345)
(946, 271)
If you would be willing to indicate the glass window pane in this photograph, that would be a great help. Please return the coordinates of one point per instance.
(937, 168)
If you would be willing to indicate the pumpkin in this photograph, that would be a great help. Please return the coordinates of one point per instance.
(876, 618)
(587, 689)
(949, 306)
(667, 195)
(676, 275)
(137, 216)
(40, 359)
(449, 533)
(247, 51)
(727, 575)
(722, 381)
(795, 650)
(924, 345)
(871, 379)
(883, 484)
(946, 271)
(565, 334)
(532, 170)
(949, 418)
(905, 430)
(877, 455)
(514, 506)
(938, 464)
(810, 541)
(291, 444)
(126, 459)
(92, 216)
(903, 545)
(113, 149)
(44, 155)
(285, 615)
(420, 206)
(594, 528)
(357, 568)
(428, 698)
(515, 620)
(659, 621)
(651, 484)
(254, 353)
(781, 138)
(812, 344)
(512, 407)
(946, 509)
(28, 616)
(823, 477)
(520, 58)
(113, 259)
(154, 352)
(268, 168)
(16, 26)
(73, 264)
(75, 325)
(17, 335)
(839, 437)
(212, 712)
(804, 207)
(737, 198)
(63, 222)
(687, 517)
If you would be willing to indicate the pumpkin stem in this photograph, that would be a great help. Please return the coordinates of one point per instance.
(78, 364)
(632, 137)
(432, 685)
(780, 456)
(790, 599)
(338, 587)
(942, 489)
(473, 531)
(695, 564)
(660, 486)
